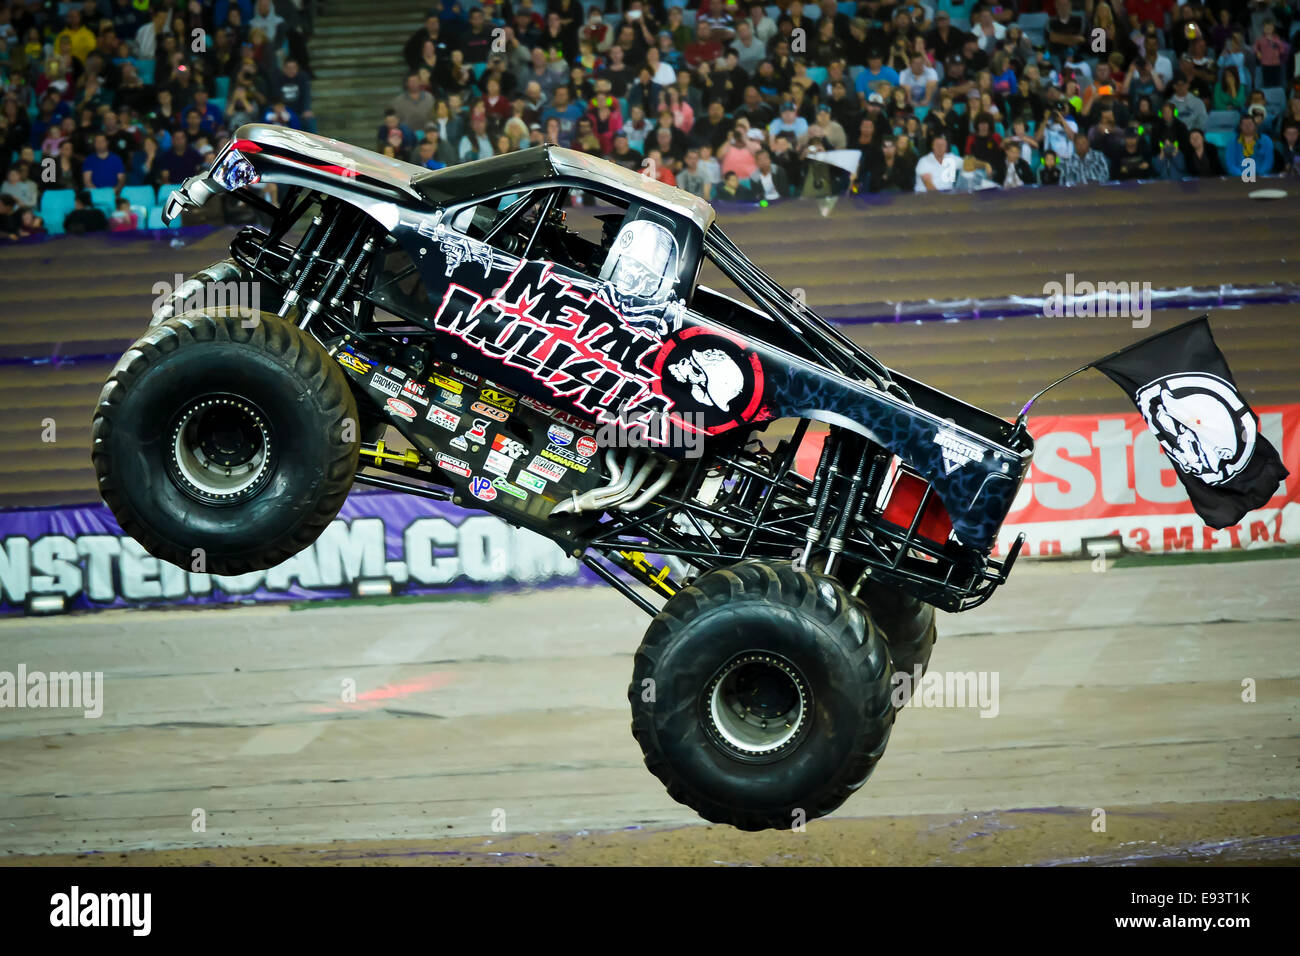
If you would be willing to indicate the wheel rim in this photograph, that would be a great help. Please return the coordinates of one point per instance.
(221, 450)
(757, 707)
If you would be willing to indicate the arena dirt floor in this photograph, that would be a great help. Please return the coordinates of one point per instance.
(497, 732)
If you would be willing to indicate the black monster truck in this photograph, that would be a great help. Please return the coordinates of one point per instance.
(587, 387)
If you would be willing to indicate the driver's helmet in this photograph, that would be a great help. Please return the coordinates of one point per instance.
(645, 260)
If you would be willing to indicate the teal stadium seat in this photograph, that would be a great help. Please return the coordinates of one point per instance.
(140, 196)
(155, 220)
(55, 204)
(165, 191)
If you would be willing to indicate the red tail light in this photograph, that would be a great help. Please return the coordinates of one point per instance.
(904, 500)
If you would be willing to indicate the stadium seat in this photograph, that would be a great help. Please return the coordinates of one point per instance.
(848, 9)
(921, 111)
(141, 215)
(1219, 138)
(1222, 119)
(1275, 97)
(817, 74)
(220, 103)
(155, 220)
(773, 11)
(688, 18)
(478, 69)
(104, 198)
(223, 86)
(165, 191)
(146, 70)
(812, 12)
(55, 204)
(1032, 21)
(139, 195)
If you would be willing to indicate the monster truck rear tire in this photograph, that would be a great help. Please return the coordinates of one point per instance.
(760, 696)
(225, 435)
(908, 624)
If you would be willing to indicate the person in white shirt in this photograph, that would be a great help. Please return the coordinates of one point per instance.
(919, 80)
(146, 38)
(988, 31)
(937, 170)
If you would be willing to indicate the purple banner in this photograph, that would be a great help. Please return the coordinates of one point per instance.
(416, 545)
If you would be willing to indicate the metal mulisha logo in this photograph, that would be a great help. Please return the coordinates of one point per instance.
(1202, 423)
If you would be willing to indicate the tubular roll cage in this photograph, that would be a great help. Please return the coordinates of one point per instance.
(764, 509)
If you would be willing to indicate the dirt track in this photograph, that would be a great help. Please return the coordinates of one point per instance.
(1119, 691)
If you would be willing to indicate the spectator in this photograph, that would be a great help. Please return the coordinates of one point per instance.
(144, 164)
(1189, 109)
(789, 122)
(103, 169)
(1270, 50)
(1250, 155)
(20, 186)
(178, 163)
(566, 112)
(1132, 163)
(1050, 173)
(476, 143)
(1016, 171)
(1202, 159)
(293, 87)
(1288, 151)
(768, 181)
(1169, 162)
(623, 154)
(937, 170)
(84, 216)
(1087, 165)
(413, 106)
(123, 219)
(691, 178)
(919, 81)
(731, 189)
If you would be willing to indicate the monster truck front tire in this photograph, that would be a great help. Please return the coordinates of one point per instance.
(225, 444)
(760, 696)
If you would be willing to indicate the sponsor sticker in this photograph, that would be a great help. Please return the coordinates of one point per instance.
(454, 465)
(386, 385)
(394, 371)
(459, 442)
(494, 413)
(481, 488)
(586, 446)
(566, 458)
(502, 485)
(450, 399)
(443, 418)
(415, 392)
(499, 399)
(348, 360)
(559, 435)
(548, 470)
(530, 481)
(401, 409)
(450, 384)
(508, 446)
(478, 431)
(498, 463)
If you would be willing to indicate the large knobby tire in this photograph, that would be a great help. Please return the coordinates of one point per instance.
(760, 696)
(909, 628)
(227, 436)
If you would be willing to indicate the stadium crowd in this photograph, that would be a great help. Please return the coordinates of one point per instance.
(742, 101)
(108, 104)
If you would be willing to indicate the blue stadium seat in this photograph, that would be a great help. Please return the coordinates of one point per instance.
(55, 204)
(1032, 21)
(165, 191)
(139, 196)
(219, 102)
(1219, 138)
(817, 74)
(223, 86)
(146, 70)
(155, 220)
(688, 18)
(812, 12)
(1275, 97)
(921, 111)
(773, 11)
(1222, 119)
(478, 69)
(104, 198)
(849, 9)
(141, 215)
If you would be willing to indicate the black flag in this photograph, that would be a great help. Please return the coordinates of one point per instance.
(1181, 384)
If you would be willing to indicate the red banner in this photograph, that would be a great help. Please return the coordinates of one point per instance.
(1096, 476)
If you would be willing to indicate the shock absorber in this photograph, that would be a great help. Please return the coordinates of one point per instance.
(304, 272)
(836, 543)
(314, 305)
(822, 497)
